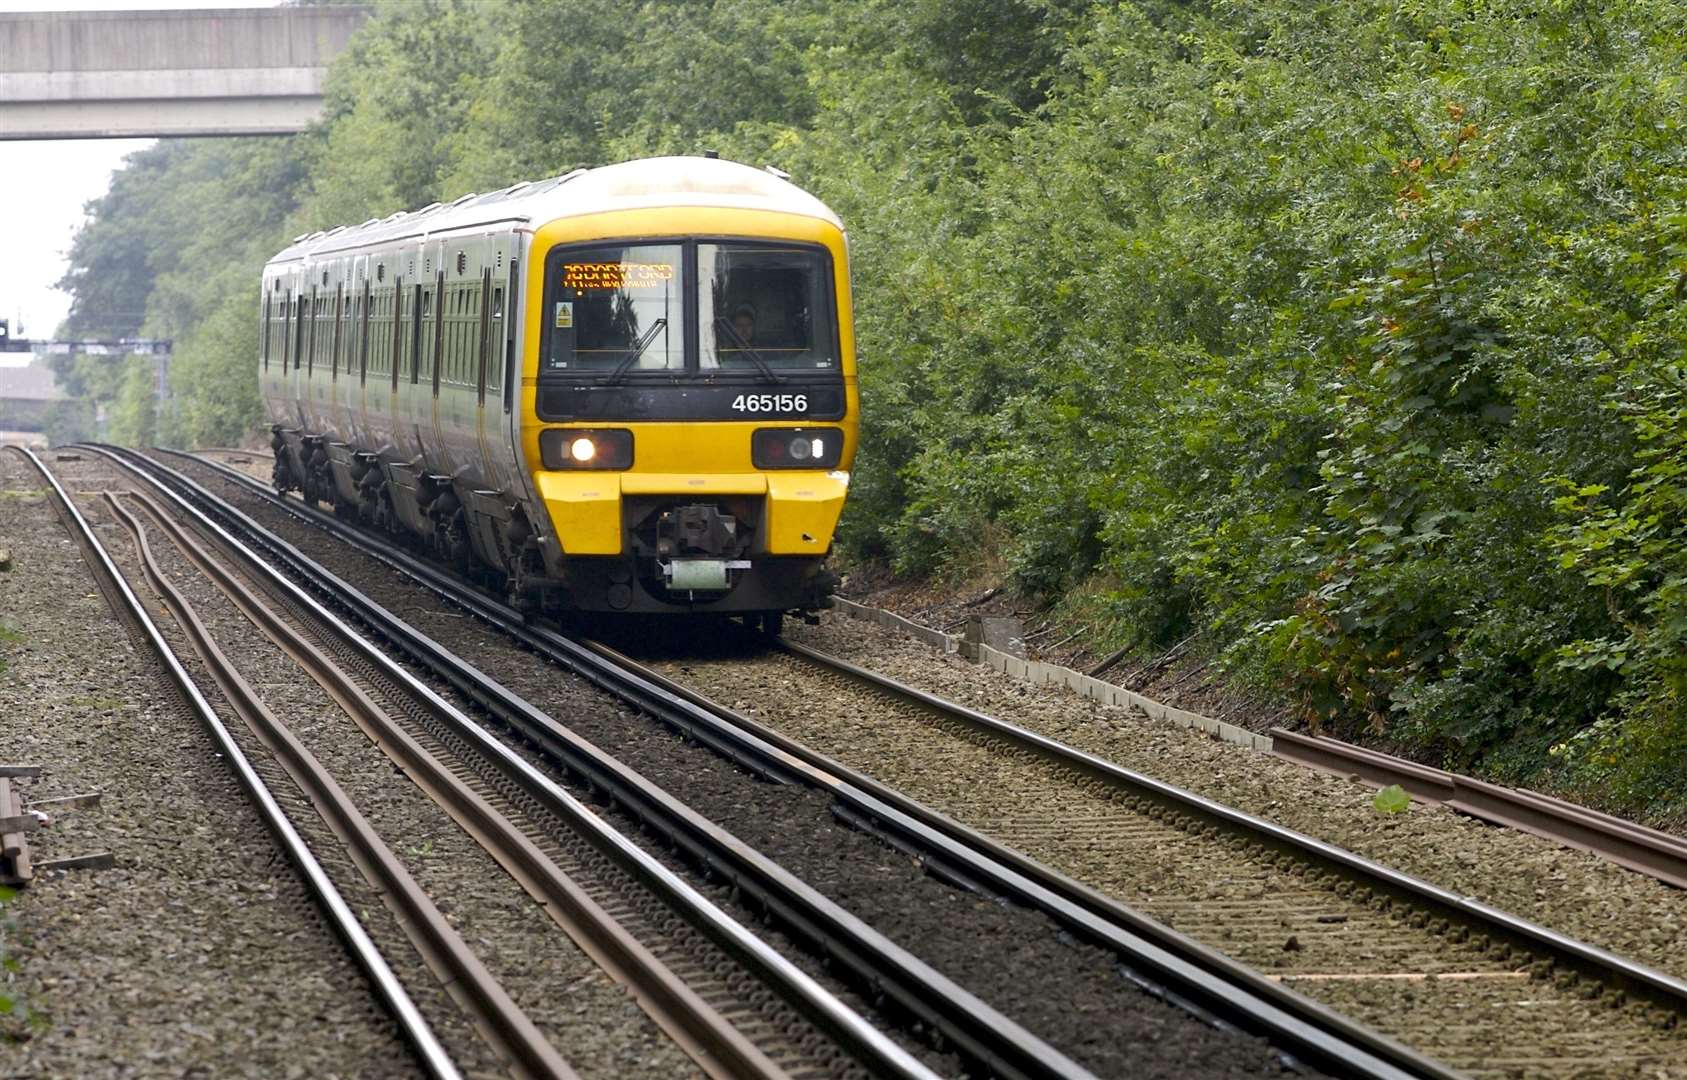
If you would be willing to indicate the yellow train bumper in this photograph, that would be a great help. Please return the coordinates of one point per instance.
(802, 508)
(802, 511)
(585, 509)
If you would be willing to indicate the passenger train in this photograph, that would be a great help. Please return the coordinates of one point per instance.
(626, 389)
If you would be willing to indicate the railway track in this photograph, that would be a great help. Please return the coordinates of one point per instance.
(1170, 963)
(1476, 987)
(995, 1043)
(1436, 969)
(708, 1037)
(609, 894)
(128, 606)
(1647, 851)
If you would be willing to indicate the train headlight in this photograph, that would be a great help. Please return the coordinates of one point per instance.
(796, 448)
(573, 448)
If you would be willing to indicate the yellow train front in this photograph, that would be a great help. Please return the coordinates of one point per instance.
(631, 389)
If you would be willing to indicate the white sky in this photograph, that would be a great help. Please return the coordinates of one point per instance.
(44, 185)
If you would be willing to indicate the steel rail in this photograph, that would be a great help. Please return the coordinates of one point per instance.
(500, 1020)
(707, 1037)
(1177, 967)
(1652, 852)
(385, 983)
(1587, 960)
(1648, 851)
(848, 941)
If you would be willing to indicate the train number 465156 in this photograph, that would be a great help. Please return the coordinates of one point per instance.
(768, 403)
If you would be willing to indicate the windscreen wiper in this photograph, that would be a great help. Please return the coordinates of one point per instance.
(635, 352)
(754, 357)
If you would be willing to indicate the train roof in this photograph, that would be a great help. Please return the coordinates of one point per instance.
(630, 185)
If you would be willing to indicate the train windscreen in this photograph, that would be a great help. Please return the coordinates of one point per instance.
(764, 306)
(618, 309)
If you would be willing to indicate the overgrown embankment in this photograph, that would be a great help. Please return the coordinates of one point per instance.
(1346, 337)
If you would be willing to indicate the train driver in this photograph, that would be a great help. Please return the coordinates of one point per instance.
(744, 324)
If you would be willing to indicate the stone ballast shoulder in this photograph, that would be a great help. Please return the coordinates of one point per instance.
(1040, 674)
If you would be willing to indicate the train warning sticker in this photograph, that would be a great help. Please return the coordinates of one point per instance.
(564, 315)
(592, 276)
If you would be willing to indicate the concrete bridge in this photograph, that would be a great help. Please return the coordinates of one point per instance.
(130, 74)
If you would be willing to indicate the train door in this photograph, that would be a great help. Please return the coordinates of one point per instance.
(515, 361)
(429, 427)
(491, 478)
(403, 415)
(335, 420)
(395, 364)
(296, 386)
(364, 432)
(492, 376)
(266, 385)
(314, 326)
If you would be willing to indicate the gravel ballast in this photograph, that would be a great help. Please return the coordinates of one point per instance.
(1561, 888)
(1071, 995)
(605, 1032)
(1449, 996)
(584, 1014)
(199, 952)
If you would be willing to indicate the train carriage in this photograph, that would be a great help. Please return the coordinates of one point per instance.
(626, 389)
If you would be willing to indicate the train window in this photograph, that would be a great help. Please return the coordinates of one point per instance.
(450, 302)
(617, 309)
(498, 303)
(764, 303)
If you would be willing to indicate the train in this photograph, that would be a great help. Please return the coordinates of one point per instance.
(629, 388)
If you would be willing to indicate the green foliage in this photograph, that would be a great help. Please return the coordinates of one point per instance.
(8, 636)
(134, 420)
(1392, 800)
(18, 1019)
(69, 420)
(217, 402)
(1346, 337)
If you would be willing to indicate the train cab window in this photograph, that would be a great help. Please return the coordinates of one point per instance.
(766, 304)
(617, 310)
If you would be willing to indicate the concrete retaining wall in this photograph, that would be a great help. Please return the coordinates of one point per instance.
(1035, 671)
